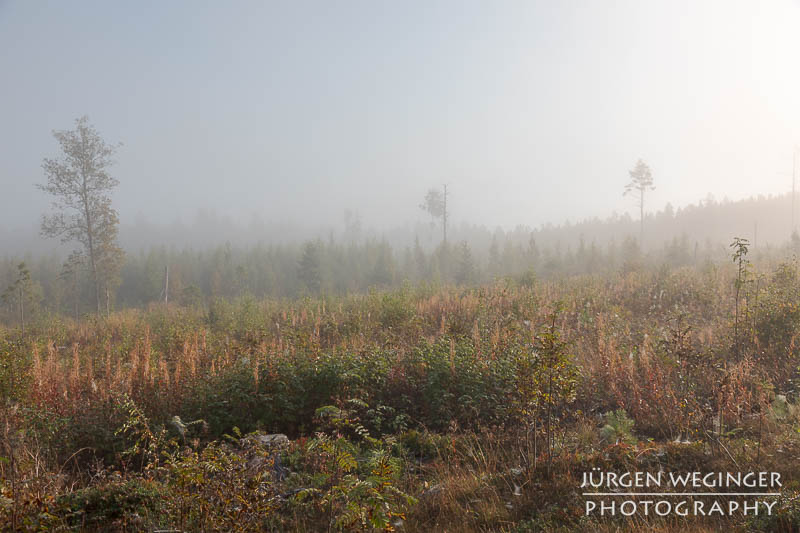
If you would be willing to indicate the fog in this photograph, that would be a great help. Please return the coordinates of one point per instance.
(279, 116)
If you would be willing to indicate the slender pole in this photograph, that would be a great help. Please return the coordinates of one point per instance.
(794, 173)
(75, 291)
(641, 218)
(22, 308)
(444, 216)
(755, 233)
(166, 284)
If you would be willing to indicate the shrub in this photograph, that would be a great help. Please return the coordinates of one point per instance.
(124, 505)
(618, 428)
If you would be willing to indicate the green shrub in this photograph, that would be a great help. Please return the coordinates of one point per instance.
(132, 504)
(618, 428)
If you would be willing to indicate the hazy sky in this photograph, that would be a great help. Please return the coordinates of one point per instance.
(531, 111)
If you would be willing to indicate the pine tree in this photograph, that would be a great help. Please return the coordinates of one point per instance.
(310, 267)
(22, 294)
(465, 272)
(641, 181)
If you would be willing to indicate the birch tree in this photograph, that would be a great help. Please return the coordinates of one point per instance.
(80, 185)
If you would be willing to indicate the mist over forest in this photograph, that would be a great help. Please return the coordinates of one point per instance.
(216, 256)
(287, 116)
(764, 218)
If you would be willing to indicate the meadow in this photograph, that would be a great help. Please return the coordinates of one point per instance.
(422, 408)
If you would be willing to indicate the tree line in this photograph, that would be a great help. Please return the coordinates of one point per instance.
(98, 276)
(197, 277)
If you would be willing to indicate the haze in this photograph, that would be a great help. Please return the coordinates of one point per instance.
(292, 112)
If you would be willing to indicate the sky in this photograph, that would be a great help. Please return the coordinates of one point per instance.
(531, 112)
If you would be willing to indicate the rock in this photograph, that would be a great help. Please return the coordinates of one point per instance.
(271, 440)
(256, 463)
(273, 443)
(278, 470)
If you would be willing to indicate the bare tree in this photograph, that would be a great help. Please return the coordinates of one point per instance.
(641, 181)
(352, 226)
(80, 184)
(435, 205)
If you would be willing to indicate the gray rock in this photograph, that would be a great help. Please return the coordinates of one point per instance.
(256, 463)
(278, 470)
(272, 440)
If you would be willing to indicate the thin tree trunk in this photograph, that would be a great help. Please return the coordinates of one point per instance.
(22, 309)
(444, 217)
(90, 239)
(75, 289)
(94, 272)
(641, 220)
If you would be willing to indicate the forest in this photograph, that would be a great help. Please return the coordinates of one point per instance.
(335, 263)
